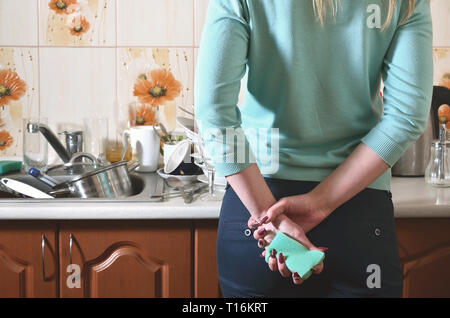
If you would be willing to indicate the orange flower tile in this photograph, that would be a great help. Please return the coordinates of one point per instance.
(156, 88)
(5, 139)
(11, 87)
(63, 6)
(79, 25)
(145, 116)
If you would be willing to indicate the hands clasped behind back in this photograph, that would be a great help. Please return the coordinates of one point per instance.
(294, 216)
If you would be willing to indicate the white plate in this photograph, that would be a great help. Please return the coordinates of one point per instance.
(219, 181)
(188, 178)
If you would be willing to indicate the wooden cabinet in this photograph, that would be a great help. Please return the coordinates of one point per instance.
(169, 258)
(424, 246)
(28, 259)
(127, 259)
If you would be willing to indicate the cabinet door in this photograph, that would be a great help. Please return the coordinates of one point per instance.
(424, 246)
(28, 260)
(206, 282)
(126, 258)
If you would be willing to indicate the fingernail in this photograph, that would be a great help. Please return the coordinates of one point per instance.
(273, 253)
(323, 249)
(261, 232)
(296, 276)
(255, 224)
(264, 219)
(261, 243)
(281, 258)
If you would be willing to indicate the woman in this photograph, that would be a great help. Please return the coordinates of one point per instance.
(314, 72)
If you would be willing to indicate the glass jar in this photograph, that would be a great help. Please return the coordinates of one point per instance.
(438, 169)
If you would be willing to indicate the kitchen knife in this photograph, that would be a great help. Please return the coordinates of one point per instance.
(25, 189)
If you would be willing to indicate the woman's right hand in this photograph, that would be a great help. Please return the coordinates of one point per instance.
(264, 234)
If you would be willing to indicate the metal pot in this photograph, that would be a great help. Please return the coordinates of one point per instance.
(111, 181)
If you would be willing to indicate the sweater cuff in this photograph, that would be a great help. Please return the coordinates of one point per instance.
(384, 146)
(227, 169)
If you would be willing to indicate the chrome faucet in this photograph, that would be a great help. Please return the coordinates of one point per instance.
(62, 152)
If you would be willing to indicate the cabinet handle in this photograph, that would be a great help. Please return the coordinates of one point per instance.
(70, 248)
(43, 256)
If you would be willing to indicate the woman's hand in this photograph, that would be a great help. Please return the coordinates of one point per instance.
(307, 210)
(265, 233)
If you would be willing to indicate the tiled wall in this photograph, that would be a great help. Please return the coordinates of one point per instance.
(73, 75)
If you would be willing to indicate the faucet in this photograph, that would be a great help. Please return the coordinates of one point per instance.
(51, 138)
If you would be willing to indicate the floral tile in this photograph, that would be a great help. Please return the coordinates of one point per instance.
(77, 22)
(18, 97)
(442, 67)
(142, 69)
(18, 22)
(155, 23)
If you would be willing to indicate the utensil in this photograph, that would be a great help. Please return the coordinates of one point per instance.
(42, 177)
(165, 133)
(110, 181)
(178, 184)
(145, 144)
(24, 189)
(186, 111)
(159, 189)
(197, 188)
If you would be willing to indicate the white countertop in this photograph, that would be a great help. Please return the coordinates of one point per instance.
(412, 197)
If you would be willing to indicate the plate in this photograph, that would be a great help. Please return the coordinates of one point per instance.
(188, 178)
(219, 181)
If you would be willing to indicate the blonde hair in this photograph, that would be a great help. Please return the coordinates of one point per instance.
(322, 6)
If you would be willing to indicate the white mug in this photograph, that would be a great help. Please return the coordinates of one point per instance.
(145, 144)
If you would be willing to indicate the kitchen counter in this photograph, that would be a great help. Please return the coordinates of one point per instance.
(412, 198)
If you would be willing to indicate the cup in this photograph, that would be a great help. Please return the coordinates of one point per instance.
(96, 136)
(145, 144)
(35, 146)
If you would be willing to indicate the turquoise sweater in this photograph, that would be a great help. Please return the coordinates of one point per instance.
(318, 86)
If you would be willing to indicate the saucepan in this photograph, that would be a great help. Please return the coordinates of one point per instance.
(109, 181)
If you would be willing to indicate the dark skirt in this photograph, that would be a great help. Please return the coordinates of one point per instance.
(362, 258)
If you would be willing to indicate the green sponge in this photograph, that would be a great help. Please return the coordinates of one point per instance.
(9, 166)
(297, 257)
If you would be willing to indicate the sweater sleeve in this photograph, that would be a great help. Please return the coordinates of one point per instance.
(221, 64)
(408, 78)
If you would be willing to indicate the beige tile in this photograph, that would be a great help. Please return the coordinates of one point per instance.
(77, 83)
(99, 14)
(440, 11)
(201, 7)
(18, 22)
(155, 23)
(23, 61)
(136, 61)
(442, 66)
